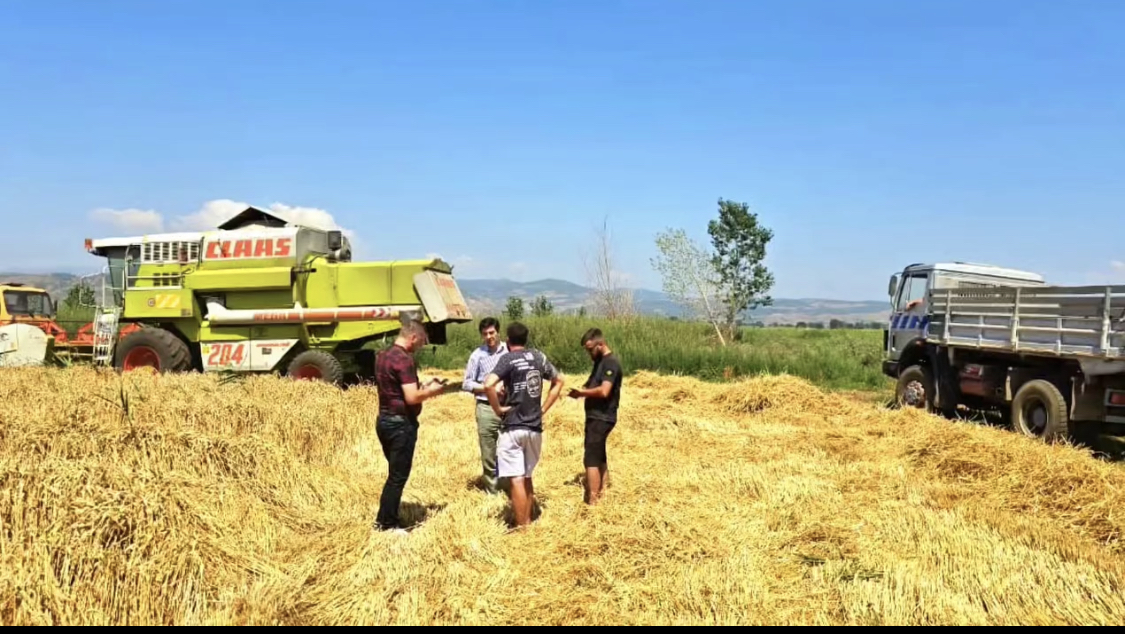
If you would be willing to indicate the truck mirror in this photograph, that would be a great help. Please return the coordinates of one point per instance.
(335, 240)
(893, 286)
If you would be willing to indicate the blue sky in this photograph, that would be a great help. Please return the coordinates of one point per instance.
(867, 135)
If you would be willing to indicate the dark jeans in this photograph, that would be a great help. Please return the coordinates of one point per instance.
(597, 431)
(398, 436)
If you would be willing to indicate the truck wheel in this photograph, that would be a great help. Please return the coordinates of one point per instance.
(316, 365)
(152, 348)
(916, 388)
(1039, 411)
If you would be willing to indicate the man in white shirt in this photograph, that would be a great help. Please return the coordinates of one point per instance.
(481, 363)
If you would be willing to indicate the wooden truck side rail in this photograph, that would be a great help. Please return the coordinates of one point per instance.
(1082, 322)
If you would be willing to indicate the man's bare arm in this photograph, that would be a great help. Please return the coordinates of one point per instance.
(602, 391)
(493, 399)
(413, 394)
(553, 395)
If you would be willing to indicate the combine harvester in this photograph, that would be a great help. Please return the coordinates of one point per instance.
(260, 295)
(986, 337)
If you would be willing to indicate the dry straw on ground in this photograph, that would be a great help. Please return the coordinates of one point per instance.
(763, 502)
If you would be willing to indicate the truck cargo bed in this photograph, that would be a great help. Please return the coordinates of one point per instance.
(1069, 321)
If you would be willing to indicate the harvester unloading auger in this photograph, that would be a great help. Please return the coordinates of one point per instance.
(261, 295)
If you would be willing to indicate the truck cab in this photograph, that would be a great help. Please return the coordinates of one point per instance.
(909, 293)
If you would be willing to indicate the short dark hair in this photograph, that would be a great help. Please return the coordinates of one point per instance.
(593, 334)
(413, 327)
(488, 322)
(517, 334)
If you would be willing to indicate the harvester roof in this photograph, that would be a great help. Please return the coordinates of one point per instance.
(254, 216)
(20, 286)
(249, 218)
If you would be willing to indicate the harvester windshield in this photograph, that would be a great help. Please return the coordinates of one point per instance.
(28, 303)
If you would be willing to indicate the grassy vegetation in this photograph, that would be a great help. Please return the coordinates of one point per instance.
(837, 359)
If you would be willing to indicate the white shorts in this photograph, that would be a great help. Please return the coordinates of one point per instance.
(517, 452)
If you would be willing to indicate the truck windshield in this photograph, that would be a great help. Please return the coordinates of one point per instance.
(28, 303)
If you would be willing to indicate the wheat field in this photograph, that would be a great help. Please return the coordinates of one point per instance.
(183, 500)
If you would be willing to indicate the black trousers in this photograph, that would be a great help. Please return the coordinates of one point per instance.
(398, 435)
(597, 431)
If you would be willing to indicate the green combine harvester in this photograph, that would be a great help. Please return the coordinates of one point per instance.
(260, 294)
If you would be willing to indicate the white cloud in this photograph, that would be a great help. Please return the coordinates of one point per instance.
(212, 214)
(1117, 273)
(130, 220)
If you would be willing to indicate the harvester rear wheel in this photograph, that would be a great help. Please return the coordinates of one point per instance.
(153, 348)
(316, 365)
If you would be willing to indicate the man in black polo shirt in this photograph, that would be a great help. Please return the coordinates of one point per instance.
(602, 393)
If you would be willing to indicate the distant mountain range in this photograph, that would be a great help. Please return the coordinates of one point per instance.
(491, 296)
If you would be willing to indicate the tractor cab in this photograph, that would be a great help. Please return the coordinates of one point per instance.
(22, 303)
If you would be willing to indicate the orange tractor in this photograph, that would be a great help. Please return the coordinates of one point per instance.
(22, 306)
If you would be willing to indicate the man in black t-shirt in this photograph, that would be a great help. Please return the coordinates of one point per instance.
(522, 371)
(602, 393)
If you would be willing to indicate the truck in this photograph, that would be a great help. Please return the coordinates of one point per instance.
(261, 295)
(989, 338)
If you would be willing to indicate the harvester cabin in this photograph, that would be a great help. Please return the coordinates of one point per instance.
(171, 251)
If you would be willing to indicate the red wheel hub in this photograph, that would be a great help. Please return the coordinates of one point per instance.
(308, 373)
(141, 357)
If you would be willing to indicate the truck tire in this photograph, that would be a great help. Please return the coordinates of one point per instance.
(1039, 410)
(152, 348)
(316, 365)
(916, 388)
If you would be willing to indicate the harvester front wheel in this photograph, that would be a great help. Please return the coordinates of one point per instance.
(316, 365)
(154, 348)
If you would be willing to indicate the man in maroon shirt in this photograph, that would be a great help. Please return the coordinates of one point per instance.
(400, 402)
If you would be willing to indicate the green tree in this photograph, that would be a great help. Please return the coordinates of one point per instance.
(689, 276)
(80, 295)
(514, 309)
(542, 307)
(740, 243)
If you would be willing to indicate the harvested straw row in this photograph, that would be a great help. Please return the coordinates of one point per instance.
(181, 500)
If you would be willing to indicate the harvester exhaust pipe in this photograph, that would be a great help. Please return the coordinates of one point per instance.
(221, 316)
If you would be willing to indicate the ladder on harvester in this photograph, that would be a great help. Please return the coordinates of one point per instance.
(107, 315)
(105, 333)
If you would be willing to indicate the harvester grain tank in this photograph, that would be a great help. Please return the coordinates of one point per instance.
(260, 294)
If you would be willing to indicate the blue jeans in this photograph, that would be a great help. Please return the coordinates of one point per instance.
(398, 436)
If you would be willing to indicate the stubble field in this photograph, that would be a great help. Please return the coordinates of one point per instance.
(183, 500)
